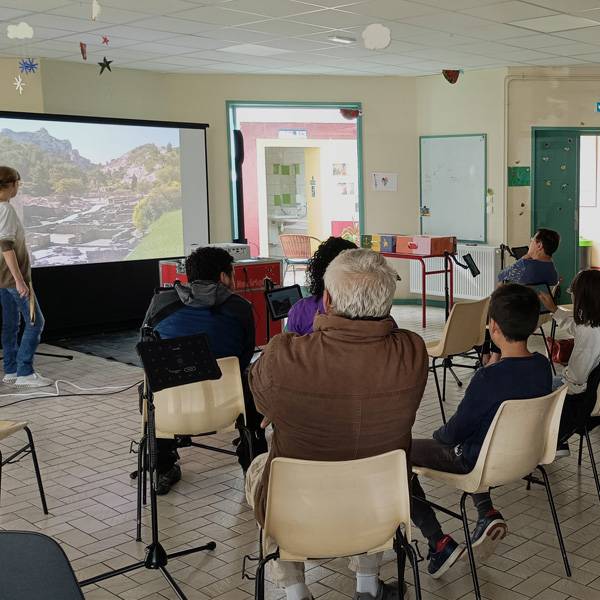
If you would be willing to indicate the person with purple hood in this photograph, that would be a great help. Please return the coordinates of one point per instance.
(303, 312)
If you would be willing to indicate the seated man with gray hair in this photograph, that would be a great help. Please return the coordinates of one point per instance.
(349, 390)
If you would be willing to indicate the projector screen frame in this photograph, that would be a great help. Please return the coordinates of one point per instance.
(23, 115)
(88, 298)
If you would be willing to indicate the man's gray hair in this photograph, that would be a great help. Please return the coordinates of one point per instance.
(361, 284)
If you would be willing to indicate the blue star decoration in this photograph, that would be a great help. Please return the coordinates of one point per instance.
(105, 64)
(28, 65)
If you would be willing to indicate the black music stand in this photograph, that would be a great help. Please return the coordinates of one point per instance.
(167, 364)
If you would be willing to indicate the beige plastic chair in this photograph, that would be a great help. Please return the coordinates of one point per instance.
(297, 251)
(8, 428)
(521, 439)
(329, 509)
(543, 320)
(464, 329)
(586, 434)
(196, 409)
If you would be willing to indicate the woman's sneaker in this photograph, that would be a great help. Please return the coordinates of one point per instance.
(488, 533)
(563, 450)
(447, 552)
(33, 380)
(9, 378)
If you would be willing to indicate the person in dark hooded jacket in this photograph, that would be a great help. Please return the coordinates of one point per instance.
(207, 304)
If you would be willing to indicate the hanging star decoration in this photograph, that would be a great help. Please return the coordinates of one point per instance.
(83, 50)
(105, 64)
(28, 65)
(105, 40)
(19, 84)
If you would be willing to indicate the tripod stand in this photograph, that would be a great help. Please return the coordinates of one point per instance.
(167, 363)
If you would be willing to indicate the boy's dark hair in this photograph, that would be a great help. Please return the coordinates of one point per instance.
(549, 239)
(207, 263)
(586, 298)
(516, 310)
(320, 260)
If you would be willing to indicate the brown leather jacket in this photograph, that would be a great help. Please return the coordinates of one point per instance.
(349, 390)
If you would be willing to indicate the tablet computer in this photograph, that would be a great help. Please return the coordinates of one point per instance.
(280, 300)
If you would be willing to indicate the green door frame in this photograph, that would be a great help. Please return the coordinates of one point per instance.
(576, 132)
(232, 105)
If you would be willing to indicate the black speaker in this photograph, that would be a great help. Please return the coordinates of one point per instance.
(238, 146)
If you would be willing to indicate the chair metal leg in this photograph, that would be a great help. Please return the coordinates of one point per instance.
(412, 557)
(592, 460)
(465, 521)
(141, 450)
(580, 450)
(548, 353)
(259, 584)
(561, 542)
(437, 387)
(145, 473)
(0, 474)
(445, 369)
(36, 467)
(400, 562)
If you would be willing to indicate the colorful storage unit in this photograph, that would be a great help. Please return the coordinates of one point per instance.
(425, 245)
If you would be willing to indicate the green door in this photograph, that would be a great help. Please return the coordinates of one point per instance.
(556, 196)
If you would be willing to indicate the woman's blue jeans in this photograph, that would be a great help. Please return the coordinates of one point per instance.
(18, 357)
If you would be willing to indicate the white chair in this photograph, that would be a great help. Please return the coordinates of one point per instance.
(330, 509)
(585, 434)
(464, 329)
(194, 410)
(521, 439)
(8, 428)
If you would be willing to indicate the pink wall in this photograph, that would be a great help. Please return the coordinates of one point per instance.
(255, 131)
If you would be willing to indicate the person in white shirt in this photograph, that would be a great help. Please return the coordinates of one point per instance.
(16, 294)
(582, 373)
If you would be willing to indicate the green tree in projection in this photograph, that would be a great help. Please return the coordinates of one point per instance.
(70, 186)
(39, 179)
(164, 193)
(134, 182)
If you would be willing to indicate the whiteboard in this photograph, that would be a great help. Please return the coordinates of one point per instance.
(453, 186)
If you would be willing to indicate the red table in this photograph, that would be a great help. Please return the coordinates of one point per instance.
(424, 273)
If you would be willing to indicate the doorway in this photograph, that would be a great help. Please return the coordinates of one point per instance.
(564, 196)
(301, 172)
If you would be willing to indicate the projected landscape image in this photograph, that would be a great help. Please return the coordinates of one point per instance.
(95, 192)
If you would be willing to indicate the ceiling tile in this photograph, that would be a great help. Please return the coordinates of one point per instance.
(172, 25)
(253, 50)
(237, 34)
(219, 16)
(94, 39)
(109, 15)
(390, 59)
(337, 19)
(329, 3)
(533, 40)
(283, 27)
(391, 9)
(195, 42)
(588, 58)
(560, 61)
(456, 4)
(506, 12)
(571, 48)
(589, 34)
(31, 5)
(59, 22)
(138, 33)
(556, 23)
(270, 8)
(299, 44)
(8, 14)
(570, 6)
(155, 7)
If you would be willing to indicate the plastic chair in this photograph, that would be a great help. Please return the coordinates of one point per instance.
(330, 509)
(464, 329)
(194, 410)
(584, 433)
(33, 566)
(7, 428)
(521, 439)
(297, 251)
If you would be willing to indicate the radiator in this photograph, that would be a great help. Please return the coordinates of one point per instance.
(487, 259)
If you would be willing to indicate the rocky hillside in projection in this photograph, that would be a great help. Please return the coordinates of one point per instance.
(76, 211)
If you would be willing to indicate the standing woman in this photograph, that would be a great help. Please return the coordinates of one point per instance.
(302, 314)
(16, 293)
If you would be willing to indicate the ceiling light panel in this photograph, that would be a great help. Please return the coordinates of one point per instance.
(556, 23)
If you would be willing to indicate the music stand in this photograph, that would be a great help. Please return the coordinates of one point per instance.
(167, 364)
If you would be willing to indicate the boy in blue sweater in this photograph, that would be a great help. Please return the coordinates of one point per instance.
(520, 374)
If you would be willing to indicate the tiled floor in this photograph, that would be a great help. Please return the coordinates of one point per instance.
(83, 445)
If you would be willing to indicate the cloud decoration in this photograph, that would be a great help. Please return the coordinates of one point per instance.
(376, 37)
(22, 31)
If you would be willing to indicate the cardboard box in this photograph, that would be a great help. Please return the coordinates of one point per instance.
(425, 245)
(388, 242)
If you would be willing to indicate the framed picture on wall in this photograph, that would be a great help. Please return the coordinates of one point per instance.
(340, 169)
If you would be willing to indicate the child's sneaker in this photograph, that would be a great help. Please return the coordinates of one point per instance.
(447, 552)
(488, 533)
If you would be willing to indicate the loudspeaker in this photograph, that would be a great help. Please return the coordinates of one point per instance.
(238, 146)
